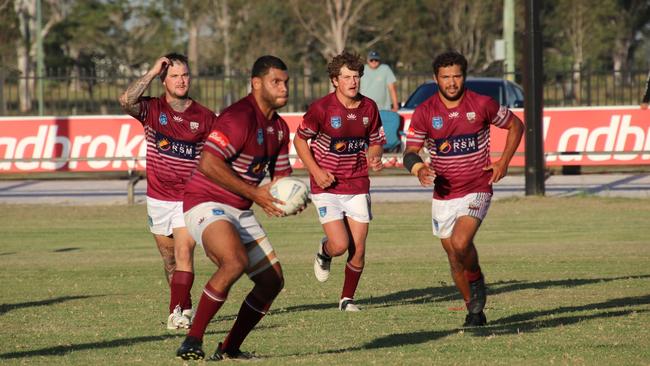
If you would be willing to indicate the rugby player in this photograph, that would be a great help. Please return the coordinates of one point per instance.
(454, 126)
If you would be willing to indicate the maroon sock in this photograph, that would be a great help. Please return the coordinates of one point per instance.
(180, 286)
(251, 312)
(473, 276)
(211, 301)
(352, 277)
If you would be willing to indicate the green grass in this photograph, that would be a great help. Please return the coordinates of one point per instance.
(569, 283)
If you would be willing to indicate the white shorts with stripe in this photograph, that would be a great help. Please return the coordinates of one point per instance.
(260, 252)
(332, 207)
(445, 212)
(164, 216)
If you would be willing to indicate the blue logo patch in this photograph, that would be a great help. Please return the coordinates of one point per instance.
(322, 211)
(217, 212)
(260, 136)
(335, 121)
(436, 122)
(162, 119)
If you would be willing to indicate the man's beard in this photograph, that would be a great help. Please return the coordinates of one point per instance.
(455, 97)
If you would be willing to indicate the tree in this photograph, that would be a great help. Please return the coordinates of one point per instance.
(629, 19)
(336, 24)
(26, 45)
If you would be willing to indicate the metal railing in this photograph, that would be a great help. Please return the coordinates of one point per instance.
(84, 92)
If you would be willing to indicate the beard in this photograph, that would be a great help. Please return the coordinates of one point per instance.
(454, 98)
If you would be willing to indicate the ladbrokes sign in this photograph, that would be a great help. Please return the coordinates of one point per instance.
(578, 136)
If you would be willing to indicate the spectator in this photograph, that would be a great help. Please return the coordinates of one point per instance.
(378, 83)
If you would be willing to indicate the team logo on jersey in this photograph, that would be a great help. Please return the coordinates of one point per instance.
(164, 144)
(322, 211)
(436, 122)
(348, 145)
(194, 126)
(260, 136)
(366, 121)
(162, 119)
(457, 145)
(270, 130)
(471, 116)
(280, 135)
(177, 118)
(454, 114)
(335, 121)
(352, 116)
(175, 148)
(219, 139)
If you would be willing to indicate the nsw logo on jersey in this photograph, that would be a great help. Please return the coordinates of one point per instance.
(176, 148)
(335, 121)
(348, 145)
(456, 145)
(436, 122)
(162, 119)
(260, 136)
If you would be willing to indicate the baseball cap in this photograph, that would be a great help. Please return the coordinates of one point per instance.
(373, 55)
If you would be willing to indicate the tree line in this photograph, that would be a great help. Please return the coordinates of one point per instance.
(123, 37)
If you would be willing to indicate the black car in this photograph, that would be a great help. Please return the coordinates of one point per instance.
(503, 91)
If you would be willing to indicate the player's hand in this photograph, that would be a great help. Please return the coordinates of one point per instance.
(426, 176)
(499, 170)
(160, 66)
(266, 201)
(375, 163)
(324, 178)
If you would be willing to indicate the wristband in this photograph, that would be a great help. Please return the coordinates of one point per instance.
(412, 162)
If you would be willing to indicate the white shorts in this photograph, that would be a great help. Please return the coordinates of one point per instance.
(445, 212)
(332, 207)
(164, 216)
(260, 252)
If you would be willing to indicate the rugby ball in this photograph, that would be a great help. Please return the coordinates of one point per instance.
(293, 192)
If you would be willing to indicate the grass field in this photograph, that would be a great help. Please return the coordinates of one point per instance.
(569, 283)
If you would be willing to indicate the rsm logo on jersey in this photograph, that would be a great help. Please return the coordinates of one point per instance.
(457, 145)
(179, 149)
(348, 145)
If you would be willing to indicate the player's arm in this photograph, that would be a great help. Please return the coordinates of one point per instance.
(414, 164)
(374, 154)
(515, 131)
(322, 177)
(217, 170)
(129, 100)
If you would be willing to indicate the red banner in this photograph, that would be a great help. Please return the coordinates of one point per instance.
(572, 136)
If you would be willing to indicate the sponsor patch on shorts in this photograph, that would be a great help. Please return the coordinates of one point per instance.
(217, 212)
(322, 211)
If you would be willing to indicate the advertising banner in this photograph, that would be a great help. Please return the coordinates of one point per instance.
(572, 136)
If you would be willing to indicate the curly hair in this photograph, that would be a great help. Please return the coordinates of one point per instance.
(449, 59)
(352, 61)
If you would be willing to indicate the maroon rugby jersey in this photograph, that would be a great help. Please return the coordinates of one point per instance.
(174, 143)
(251, 144)
(458, 140)
(339, 140)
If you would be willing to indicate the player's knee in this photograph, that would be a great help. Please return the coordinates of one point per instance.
(336, 248)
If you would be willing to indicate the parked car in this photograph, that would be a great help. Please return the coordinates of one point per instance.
(503, 91)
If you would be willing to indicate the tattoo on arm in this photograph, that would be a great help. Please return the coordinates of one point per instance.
(129, 99)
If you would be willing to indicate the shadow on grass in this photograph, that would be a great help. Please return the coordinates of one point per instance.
(447, 293)
(114, 343)
(63, 250)
(5, 308)
(515, 324)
